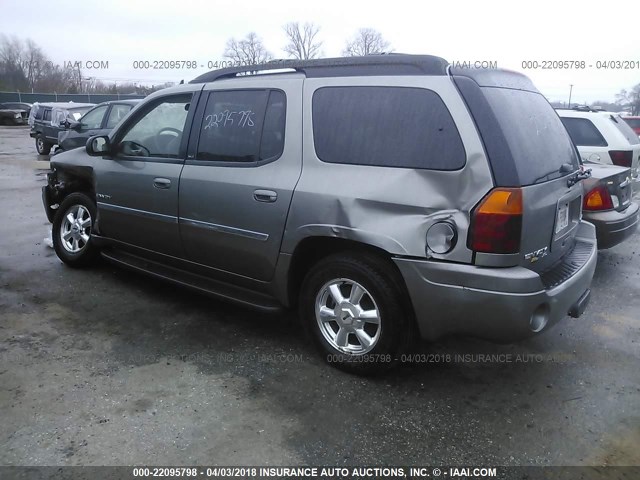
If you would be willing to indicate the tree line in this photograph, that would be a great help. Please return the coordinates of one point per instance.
(25, 67)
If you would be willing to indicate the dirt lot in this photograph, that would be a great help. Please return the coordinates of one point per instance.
(105, 367)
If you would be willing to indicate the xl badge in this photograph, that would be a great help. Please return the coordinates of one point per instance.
(536, 255)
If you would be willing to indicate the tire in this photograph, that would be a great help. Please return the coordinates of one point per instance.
(338, 332)
(71, 239)
(42, 146)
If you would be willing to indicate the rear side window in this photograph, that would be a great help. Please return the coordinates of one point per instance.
(39, 113)
(243, 126)
(47, 115)
(625, 129)
(385, 126)
(583, 132)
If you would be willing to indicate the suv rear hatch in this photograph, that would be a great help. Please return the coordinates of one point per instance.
(530, 150)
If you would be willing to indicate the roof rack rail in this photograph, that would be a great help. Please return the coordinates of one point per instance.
(380, 64)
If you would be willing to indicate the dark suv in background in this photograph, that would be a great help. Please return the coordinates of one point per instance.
(97, 121)
(383, 197)
(49, 119)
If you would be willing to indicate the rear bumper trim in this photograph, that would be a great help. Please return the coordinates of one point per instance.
(508, 307)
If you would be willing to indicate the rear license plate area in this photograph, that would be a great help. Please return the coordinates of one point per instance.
(562, 217)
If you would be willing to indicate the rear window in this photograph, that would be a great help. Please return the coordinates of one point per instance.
(583, 132)
(385, 126)
(624, 128)
(538, 142)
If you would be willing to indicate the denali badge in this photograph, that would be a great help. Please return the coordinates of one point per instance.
(536, 255)
(103, 196)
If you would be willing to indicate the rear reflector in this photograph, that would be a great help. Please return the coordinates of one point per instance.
(597, 198)
(496, 223)
(622, 158)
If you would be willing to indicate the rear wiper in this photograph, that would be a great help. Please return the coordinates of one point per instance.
(564, 169)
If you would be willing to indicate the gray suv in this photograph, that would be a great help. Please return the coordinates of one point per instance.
(384, 197)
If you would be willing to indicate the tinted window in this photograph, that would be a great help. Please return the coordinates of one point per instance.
(39, 113)
(158, 132)
(232, 126)
(625, 129)
(47, 114)
(93, 118)
(583, 132)
(534, 134)
(385, 126)
(117, 113)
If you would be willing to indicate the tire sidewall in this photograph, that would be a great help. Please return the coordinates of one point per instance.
(89, 253)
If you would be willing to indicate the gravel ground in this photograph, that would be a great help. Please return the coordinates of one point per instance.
(106, 367)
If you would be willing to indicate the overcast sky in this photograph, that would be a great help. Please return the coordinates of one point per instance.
(122, 31)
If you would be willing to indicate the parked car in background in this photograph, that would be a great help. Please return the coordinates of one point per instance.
(100, 120)
(634, 123)
(363, 191)
(48, 119)
(603, 137)
(19, 106)
(10, 115)
(608, 203)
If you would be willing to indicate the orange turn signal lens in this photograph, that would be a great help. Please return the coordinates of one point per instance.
(502, 200)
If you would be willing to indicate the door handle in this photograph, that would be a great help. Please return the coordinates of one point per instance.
(161, 182)
(268, 196)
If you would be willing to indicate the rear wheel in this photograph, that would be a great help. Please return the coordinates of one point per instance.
(72, 227)
(42, 146)
(355, 310)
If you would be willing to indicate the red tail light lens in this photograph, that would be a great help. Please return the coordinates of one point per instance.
(622, 158)
(597, 198)
(496, 223)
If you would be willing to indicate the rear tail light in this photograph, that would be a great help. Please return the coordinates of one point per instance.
(496, 223)
(598, 198)
(622, 158)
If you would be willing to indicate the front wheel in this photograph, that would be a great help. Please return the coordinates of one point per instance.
(72, 227)
(42, 146)
(357, 312)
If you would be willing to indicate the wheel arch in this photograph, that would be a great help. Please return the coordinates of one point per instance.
(312, 249)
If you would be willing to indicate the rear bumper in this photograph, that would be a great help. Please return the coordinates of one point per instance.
(614, 227)
(498, 304)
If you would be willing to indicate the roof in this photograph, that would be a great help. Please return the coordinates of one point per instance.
(130, 101)
(66, 105)
(383, 64)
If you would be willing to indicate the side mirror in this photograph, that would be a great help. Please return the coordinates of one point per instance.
(74, 125)
(98, 146)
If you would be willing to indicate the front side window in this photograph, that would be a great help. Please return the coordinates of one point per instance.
(385, 126)
(117, 113)
(93, 118)
(583, 132)
(158, 132)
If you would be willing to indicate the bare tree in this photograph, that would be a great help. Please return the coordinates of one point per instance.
(630, 99)
(248, 51)
(303, 44)
(367, 41)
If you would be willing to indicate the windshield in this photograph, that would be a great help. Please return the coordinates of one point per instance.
(633, 122)
(78, 112)
(538, 141)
